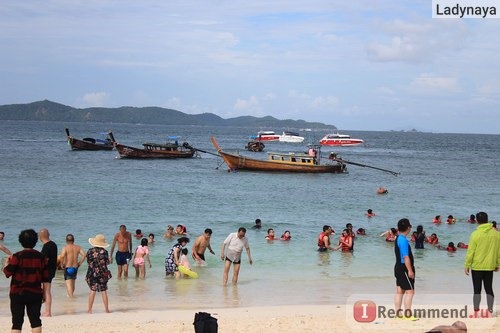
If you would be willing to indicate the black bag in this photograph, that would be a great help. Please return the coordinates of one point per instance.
(205, 323)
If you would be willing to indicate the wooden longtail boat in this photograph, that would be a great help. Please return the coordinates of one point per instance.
(279, 162)
(88, 143)
(154, 150)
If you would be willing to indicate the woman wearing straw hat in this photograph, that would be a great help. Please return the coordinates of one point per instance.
(98, 273)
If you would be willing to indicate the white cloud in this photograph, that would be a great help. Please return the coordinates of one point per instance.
(417, 41)
(95, 99)
(250, 106)
(431, 84)
(325, 102)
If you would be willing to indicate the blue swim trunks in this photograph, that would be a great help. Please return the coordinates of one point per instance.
(70, 273)
(121, 257)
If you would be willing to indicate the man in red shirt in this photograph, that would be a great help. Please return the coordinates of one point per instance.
(29, 271)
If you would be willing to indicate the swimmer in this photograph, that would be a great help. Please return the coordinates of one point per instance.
(382, 190)
(361, 232)
(270, 234)
(433, 239)
(390, 235)
(286, 236)
(450, 248)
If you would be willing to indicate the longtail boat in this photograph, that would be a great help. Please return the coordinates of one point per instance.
(155, 150)
(280, 162)
(88, 143)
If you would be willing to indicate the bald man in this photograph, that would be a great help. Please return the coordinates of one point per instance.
(49, 250)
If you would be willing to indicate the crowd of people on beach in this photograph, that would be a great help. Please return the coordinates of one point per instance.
(32, 272)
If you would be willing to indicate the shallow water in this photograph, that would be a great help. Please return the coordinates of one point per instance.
(44, 184)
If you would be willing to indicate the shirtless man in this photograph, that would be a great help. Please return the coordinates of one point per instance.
(124, 252)
(70, 262)
(200, 245)
(2, 247)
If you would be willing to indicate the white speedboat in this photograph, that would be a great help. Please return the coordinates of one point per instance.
(266, 136)
(336, 139)
(292, 137)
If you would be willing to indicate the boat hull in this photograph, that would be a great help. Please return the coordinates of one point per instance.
(138, 153)
(291, 139)
(342, 142)
(87, 143)
(239, 162)
(77, 144)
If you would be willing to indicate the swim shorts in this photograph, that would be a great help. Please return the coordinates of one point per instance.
(70, 273)
(234, 262)
(402, 279)
(121, 257)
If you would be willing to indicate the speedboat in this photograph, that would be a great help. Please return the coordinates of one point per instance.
(336, 139)
(293, 137)
(266, 136)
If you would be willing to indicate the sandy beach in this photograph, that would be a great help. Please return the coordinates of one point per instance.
(301, 318)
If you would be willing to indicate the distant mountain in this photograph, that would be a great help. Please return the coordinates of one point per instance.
(51, 111)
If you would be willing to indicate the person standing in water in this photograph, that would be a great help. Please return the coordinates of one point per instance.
(70, 263)
(124, 252)
(231, 251)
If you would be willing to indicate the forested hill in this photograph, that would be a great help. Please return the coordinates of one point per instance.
(51, 111)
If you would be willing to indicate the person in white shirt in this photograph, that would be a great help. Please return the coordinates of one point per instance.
(232, 248)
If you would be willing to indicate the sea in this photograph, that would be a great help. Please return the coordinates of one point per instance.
(46, 185)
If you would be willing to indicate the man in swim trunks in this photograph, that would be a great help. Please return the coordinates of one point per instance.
(404, 271)
(232, 247)
(200, 245)
(70, 262)
(124, 252)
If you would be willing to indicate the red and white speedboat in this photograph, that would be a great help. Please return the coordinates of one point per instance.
(336, 139)
(266, 136)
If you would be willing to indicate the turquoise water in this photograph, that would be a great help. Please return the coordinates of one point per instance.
(44, 184)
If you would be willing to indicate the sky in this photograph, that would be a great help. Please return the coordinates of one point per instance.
(358, 65)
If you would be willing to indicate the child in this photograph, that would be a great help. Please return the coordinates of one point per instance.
(270, 234)
(370, 213)
(138, 234)
(141, 253)
(184, 260)
(462, 245)
(450, 219)
(472, 218)
(286, 236)
(437, 219)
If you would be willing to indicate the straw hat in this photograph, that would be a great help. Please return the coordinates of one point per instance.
(98, 241)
